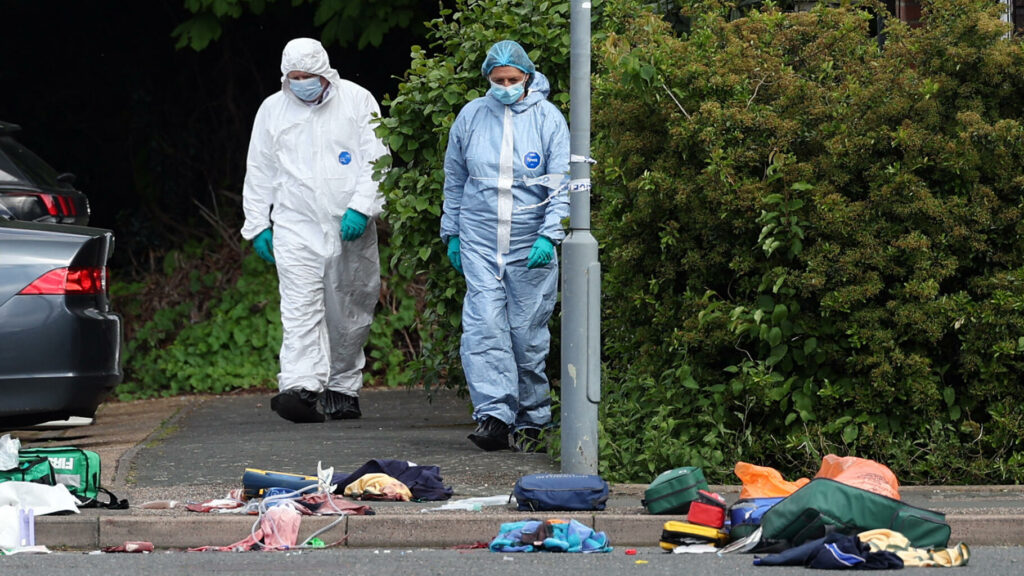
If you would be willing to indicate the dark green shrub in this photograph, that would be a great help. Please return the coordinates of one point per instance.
(208, 321)
(812, 243)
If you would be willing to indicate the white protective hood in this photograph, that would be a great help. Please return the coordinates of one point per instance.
(306, 55)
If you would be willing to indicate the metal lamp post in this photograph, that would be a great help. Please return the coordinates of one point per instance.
(581, 272)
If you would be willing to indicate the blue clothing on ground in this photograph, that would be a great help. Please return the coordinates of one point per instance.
(549, 536)
(833, 552)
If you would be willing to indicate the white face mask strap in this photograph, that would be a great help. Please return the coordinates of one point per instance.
(505, 191)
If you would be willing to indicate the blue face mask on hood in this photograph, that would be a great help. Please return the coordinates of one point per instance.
(507, 95)
(308, 89)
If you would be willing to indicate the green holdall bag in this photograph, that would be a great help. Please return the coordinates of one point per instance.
(824, 506)
(78, 470)
(672, 491)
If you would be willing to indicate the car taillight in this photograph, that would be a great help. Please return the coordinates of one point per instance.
(48, 201)
(53, 204)
(91, 280)
(67, 206)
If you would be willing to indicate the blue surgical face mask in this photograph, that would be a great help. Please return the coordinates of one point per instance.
(507, 94)
(308, 89)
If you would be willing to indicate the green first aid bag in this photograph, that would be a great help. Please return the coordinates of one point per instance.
(30, 470)
(76, 469)
(672, 491)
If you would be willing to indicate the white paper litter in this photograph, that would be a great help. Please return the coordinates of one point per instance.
(473, 504)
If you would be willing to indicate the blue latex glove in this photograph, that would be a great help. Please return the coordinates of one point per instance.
(264, 245)
(353, 224)
(541, 253)
(455, 253)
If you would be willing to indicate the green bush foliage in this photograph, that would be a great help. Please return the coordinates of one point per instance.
(812, 242)
(207, 321)
(359, 23)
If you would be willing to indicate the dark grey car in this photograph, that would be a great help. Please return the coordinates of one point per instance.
(32, 190)
(60, 341)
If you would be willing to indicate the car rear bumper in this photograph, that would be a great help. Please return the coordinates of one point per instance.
(54, 397)
(55, 362)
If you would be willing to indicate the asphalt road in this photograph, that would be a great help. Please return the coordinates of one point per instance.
(985, 560)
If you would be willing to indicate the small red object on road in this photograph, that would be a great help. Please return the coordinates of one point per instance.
(630, 551)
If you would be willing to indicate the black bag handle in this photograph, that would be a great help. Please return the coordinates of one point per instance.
(112, 503)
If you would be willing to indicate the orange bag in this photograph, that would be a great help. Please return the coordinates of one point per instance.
(764, 482)
(861, 473)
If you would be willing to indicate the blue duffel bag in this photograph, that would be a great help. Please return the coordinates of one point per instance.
(539, 492)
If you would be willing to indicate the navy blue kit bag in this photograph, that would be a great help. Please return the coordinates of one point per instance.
(537, 492)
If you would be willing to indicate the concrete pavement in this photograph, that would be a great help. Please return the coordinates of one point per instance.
(194, 449)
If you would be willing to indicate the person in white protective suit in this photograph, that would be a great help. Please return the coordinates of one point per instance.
(310, 202)
(505, 169)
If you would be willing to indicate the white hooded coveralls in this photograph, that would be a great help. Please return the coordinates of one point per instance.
(307, 164)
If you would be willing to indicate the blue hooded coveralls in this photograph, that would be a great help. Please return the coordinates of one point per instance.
(493, 149)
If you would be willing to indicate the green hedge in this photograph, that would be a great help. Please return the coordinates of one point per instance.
(812, 243)
(206, 321)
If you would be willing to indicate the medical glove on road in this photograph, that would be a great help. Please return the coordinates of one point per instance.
(541, 253)
(353, 224)
(264, 245)
(455, 253)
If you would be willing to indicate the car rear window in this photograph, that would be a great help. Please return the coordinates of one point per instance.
(19, 163)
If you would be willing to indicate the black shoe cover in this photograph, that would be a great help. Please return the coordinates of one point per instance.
(299, 406)
(338, 406)
(491, 434)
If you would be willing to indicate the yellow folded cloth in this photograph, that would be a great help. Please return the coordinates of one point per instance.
(378, 487)
(892, 541)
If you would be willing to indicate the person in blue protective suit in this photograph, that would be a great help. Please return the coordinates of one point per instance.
(310, 201)
(501, 221)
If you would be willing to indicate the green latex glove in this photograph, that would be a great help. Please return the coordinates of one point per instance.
(353, 224)
(455, 253)
(264, 245)
(541, 253)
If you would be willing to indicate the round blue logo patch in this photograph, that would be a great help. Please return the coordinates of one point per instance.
(532, 160)
(344, 157)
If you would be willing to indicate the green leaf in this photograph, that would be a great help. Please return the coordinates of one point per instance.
(779, 313)
(810, 345)
(949, 395)
(777, 354)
